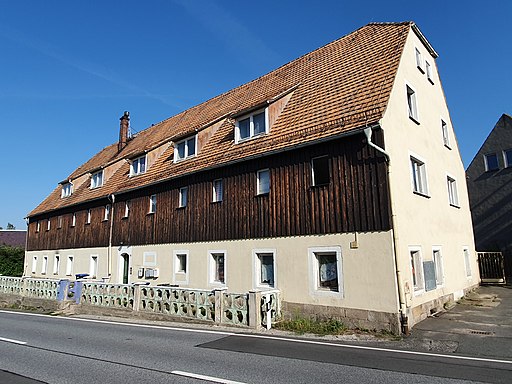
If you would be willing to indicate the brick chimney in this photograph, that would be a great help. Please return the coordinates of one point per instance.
(123, 131)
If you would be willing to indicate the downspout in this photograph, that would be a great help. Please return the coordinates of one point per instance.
(25, 260)
(112, 198)
(404, 322)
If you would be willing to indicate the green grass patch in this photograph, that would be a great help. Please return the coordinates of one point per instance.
(303, 325)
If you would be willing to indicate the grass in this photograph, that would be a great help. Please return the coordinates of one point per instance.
(303, 325)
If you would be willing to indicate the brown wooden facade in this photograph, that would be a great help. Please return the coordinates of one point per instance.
(356, 199)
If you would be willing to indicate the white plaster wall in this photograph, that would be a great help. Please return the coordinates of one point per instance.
(426, 221)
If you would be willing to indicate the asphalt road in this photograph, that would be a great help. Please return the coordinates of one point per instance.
(71, 350)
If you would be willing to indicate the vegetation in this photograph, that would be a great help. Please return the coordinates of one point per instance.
(303, 325)
(11, 261)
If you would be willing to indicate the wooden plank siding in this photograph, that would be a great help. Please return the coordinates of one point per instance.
(356, 199)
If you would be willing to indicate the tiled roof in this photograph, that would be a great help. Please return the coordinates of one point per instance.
(339, 87)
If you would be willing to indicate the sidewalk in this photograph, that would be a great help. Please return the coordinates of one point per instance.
(479, 325)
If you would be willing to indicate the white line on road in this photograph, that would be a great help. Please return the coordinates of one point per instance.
(223, 333)
(13, 341)
(206, 378)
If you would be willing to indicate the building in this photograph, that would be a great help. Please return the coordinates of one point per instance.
(335, 179)
(489, 179)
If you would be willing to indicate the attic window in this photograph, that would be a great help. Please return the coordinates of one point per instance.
(67, 190)
(252, 125)
(138, 166)
(97, 179)
(185, 149)
(419, 61)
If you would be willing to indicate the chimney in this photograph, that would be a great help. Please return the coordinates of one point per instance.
(123, 131)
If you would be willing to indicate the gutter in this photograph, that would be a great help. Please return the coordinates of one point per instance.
(112, 198)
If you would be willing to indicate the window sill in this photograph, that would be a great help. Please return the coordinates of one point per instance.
(150, 213)
(455, 206)
(414, 119)
(421, 194)
(420, 69)
(216, 202)
(176, 161)
(87, 223)
(262, 194)
(124, 218)
(447, 146)
(180, 208)
(240, 141)
(431, 81)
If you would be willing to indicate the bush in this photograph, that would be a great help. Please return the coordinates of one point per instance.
(11, 261)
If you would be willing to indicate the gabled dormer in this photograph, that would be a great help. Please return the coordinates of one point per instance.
(67, 189)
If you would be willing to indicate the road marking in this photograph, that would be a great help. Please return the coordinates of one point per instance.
(206, 378)
(224, 333)
(13, 341)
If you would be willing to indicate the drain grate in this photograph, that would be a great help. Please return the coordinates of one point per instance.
(481, 332)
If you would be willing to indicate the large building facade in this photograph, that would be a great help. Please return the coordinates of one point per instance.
(335, 179)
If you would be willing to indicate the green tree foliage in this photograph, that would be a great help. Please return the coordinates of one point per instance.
(11, 261)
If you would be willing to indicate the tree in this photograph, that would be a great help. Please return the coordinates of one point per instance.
(10, 226)
(11, 260)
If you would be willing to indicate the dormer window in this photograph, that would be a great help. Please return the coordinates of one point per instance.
(185, 149)
(138, 166)
(67, 190)
(97, 179)
(251, 125)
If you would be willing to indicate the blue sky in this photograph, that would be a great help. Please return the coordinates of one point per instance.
(68, 69)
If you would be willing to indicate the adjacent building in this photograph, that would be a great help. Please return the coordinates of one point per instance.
(335, 179)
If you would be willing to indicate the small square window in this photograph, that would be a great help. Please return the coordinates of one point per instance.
(419, 177)
(183, 197)
(138, 166)
(452, 192)
(97, 179)
(320, 169)
(412, 104)
(507, 157)
(263, 182)
(327, 271)
(491, 162)
(217, 190)
(152, 204)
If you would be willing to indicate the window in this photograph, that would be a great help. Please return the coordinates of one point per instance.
(69, 266)
(251, 126)
(491, 162)
(452, 192)
(38, 226)
(56, 264)
(48, 224)
(138, 166)
(67, 190)
(467, 262)
(127, 209)
(97, 179)
(185, 149)
(217, 267)
(217, 190)
(149, 259)
(88, 220)
(152, 204)
(181, 267)
(263, 182)
(320, 169)
(59, 221)
(446, 138)
(507, 157)
(418, 281)
(93, 266)
(428, 68)
(181, 263)
(44, 267)
(438, 265)
(419, 61)
(264, 271)
(327, 271)
(412, 104)
(183, 197)
(419, 176)
(34, 264)
(106, 214)
(73, 220)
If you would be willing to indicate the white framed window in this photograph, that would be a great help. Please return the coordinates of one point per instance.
(412, 105)
(38, 226)
(69, 265)
(491, 162)
(183, 197)
(263, 181)
(217, 190)
(59, 221)
(73, 219)
(428, 69)
(67, 190)
(453, 197)
(185, 148)
(44, 266)
(48, 224)
(152, 204)
(138, 166)
(251, 125)
(93, 267)
(416, 262)
(326, 270)
(446, 136)
(320, 170)
(149, 259)
(56, 264)
(467, 261)
(507, 158)
(88, 219)
(97, 179)
(34, 264)
(181, 267)
(106, 215)
(217, 266)
(419, 60)
(264, 262)
(437, 257)
(126, 208)
(418, 176)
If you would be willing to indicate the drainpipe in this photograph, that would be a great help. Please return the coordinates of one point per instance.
(112, 198)
(404, 322)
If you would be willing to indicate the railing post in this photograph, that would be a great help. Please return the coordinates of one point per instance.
(255, 309)
(136, 297)
(219, 304)
(23, 287)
